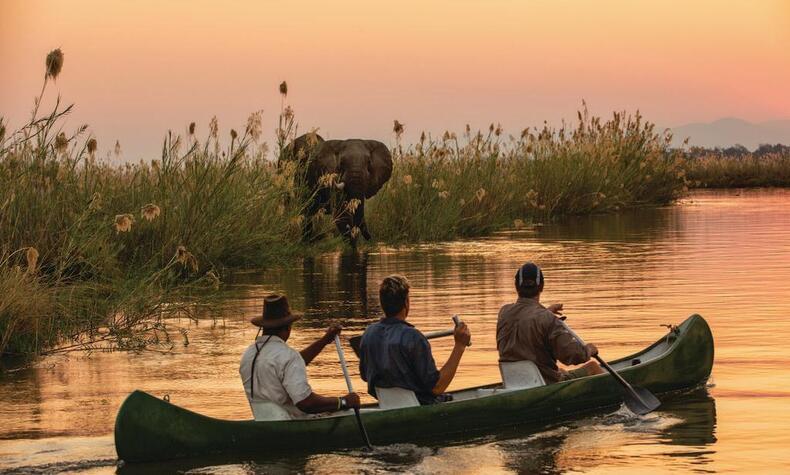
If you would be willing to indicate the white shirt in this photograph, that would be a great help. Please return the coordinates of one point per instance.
(280, 375)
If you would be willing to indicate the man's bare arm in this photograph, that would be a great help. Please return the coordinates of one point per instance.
(462, 337)
(309, 353)
(315, 403)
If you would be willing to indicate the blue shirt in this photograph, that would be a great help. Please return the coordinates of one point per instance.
(394, 354)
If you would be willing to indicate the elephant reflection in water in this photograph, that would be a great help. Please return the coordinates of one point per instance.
(335, 291)
(350, 170)
(336, 286)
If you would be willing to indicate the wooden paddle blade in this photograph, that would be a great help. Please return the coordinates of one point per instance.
(356, 342)
(638, 400)
(642, 402)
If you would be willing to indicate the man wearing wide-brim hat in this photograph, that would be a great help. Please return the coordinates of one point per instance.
(274, 375)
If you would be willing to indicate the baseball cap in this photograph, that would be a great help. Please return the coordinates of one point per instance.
(529, 275)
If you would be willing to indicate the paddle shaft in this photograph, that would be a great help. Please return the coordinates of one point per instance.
(438, 334)
(620, 379)
(350, 386)
(356, 341)
(608, 368)
(441, 334)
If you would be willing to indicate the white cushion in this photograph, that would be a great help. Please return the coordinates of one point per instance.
(520, 375)
(396, 398)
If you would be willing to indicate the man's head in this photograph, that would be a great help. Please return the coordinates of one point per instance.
(529, 280)
(284, 333)
(394, 296)
(276, 317)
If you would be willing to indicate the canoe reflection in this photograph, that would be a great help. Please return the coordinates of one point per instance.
(698, 411)
(687, 421)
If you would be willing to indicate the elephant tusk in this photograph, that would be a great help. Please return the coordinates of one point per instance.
(340, 185)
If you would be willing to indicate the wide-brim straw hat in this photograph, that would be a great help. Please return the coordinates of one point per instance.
(276, 313)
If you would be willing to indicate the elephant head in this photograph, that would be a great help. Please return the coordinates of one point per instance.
(361, 168)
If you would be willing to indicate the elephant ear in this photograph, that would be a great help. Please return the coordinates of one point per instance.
(379, 167)
(304, 147)
(326, 160)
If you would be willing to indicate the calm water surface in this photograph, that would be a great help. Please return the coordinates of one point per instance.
(725, 255)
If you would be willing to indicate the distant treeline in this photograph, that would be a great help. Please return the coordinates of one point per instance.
(737, 167)
(738, 150)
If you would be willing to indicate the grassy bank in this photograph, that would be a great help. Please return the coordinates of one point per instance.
(719, 171)
(98, 256)
(451, 187)
(82, 240)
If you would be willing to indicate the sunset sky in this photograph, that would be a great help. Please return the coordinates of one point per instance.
(137, 69)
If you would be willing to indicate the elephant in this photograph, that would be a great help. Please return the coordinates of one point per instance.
(354, 170)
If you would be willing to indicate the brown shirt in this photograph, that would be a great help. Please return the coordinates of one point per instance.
(526, 330)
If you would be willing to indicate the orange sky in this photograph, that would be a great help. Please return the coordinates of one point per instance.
(136, 69)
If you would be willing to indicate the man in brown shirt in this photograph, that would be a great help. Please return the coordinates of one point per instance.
(526, 330)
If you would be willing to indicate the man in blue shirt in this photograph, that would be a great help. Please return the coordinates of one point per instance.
(395, 354)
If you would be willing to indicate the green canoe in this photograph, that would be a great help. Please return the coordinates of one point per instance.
(150, 429)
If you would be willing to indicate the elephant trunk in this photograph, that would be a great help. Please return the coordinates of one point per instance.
(354, 183)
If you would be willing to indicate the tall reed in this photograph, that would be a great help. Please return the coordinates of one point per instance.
(717, 171)
(443, 188)
(118, 248)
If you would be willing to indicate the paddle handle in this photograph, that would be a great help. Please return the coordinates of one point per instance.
(606, 366)
(342, 357)
(457, 321)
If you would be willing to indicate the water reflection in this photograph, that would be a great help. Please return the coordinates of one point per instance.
(335, 287)
(698, 414)
(632, 226)
(723, 255)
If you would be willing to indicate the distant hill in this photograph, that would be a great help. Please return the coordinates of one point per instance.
(731, 131)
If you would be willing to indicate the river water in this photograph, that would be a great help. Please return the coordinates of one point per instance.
(725, 255)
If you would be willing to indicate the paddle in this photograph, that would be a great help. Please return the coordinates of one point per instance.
(638, 400)
(342, 358)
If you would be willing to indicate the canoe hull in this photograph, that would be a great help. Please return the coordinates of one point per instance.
(150, 429)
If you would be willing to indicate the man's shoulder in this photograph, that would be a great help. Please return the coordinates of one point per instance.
(414, 335)
(506, 309)
(279, 351)
(401, 328)
(372, 331)
(515, 310)
(544, 316)
(524, 312)
(286, 352)
(372, 328)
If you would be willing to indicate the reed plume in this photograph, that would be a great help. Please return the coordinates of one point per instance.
(397, 128)
(31, 256)
(54, 64)
(150, 212)
(123, 223)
